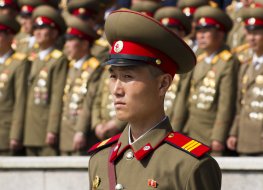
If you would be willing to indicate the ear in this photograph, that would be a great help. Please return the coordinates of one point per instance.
(165, 81)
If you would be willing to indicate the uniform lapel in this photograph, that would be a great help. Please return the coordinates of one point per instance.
(200, 71)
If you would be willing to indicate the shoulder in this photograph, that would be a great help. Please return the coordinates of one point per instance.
(225, 55)
(104, 144)
(56, 54)
(92, 63)
(19, 56)
(201, 57)
(187, 144)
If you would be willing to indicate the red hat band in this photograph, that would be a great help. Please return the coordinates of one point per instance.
(6, 28)
(210, 22)
(45, 21)
(171, 22)
(27, 9)
(188, 11)
(254, 22)
(147, 13)
(79, 34)
(139, 52)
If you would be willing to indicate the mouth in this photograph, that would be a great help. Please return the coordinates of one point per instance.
(119, 104)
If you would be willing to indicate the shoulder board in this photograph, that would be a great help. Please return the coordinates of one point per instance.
(230, 8)
(92, 62)
(240, 48)
(19, 56)
(225, 55)
(56, 54)
(102, 42)
(201, 57)
(104, 144)
(187, 144)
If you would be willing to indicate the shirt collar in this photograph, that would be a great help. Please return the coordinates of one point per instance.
(209, 59)
(144, 145)
(42, 54)
(5, 56)
(31, 40)
(78, 64)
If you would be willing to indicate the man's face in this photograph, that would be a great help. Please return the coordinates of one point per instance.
(73, 47)
(5, 40)
(27, 24)
(45, 36)
(135, 91)
(255, 40)
(207, 38)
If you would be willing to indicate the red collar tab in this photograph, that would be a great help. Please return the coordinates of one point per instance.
(188, 11)
(171, 22)
(27, 9)
(254, 22)
(134, 49)
(144, 151)
(6, 28)
(204, 21)
(114, 153)
(82, 11)
(187, 144)
(79, 34)
(41, 20)
(104, 143)
(150, 14)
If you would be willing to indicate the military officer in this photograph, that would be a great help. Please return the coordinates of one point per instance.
(79, 39)
(147, 7)
(9, 7)
(46, 84)
(143, 61)
(175, 20)
(213, 83)
(246, 132)
(13, 72)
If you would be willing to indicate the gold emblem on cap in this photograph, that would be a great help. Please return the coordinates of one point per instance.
(118, 46)
(251, 21)
(69, 29)
(24, 8)
(96, 182)
(158, 61)
(259, 79)
(187, 11)
(165, 21)
(39, 20)
(202, 21)
(2, 2)
(81, 10)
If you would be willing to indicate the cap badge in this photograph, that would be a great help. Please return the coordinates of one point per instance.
(96, 182)
(251, 21)
(39, 21)
(165, 21)
(152, 183)
(118, 46)
(187, 11)
(202, 21)
(81, 10)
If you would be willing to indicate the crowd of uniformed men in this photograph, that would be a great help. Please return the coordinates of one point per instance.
(54, 96)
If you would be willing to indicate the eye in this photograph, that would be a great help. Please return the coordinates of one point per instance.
(127, 76)
(112, 76)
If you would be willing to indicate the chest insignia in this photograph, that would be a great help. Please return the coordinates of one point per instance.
(96, 182)
(152, 183)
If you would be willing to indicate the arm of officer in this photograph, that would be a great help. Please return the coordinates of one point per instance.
(226, 103)
(205, 175)
(20, 102)
(58, 83)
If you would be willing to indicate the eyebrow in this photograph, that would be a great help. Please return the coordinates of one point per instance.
(125, 68)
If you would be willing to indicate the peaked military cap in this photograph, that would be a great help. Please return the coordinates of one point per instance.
(207, 16)
(9, 4)
(173, 17)
(9, 24)
(139, 39)
(189, 6)
(27, 6)
(253, 18)
(49, 16)
(84, 8)
(78, 28)
(147, 7)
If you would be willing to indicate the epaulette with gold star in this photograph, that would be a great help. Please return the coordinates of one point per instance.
(240, 48)
(102, 42)
(104, 144)
(187, 144)
(225, 55)
(92, 62)
(56, 54)
(19, 56)
(201, 57)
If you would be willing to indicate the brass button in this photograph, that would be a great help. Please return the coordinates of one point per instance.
(119, 187)
(129, 156)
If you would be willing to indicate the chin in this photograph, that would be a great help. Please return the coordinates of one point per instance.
(122, 116)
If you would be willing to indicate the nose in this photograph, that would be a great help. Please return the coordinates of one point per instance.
(118, 90)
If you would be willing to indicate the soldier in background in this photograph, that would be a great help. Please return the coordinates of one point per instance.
(79, 39)
(9, 7)
(14, 68)
(176, 21)
(246, 133)
(45, 85)
(213, 83)
(147, 7)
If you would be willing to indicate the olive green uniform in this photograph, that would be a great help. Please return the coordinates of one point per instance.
(13, 73)
(74, 95)
(44, 102)
(212, 97)
(151, 162)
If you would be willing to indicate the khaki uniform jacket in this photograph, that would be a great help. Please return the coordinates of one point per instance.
(44, 103)
(152, 163)
(100, 49)
(13, 73)
(74, 94)
(212, 97)
(103, 108)
(247, 126)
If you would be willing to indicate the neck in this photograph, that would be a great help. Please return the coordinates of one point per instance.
(45, 46)
(80, 56)
(210, 51)
(4, 51)
(259, 53)
(141, 126)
